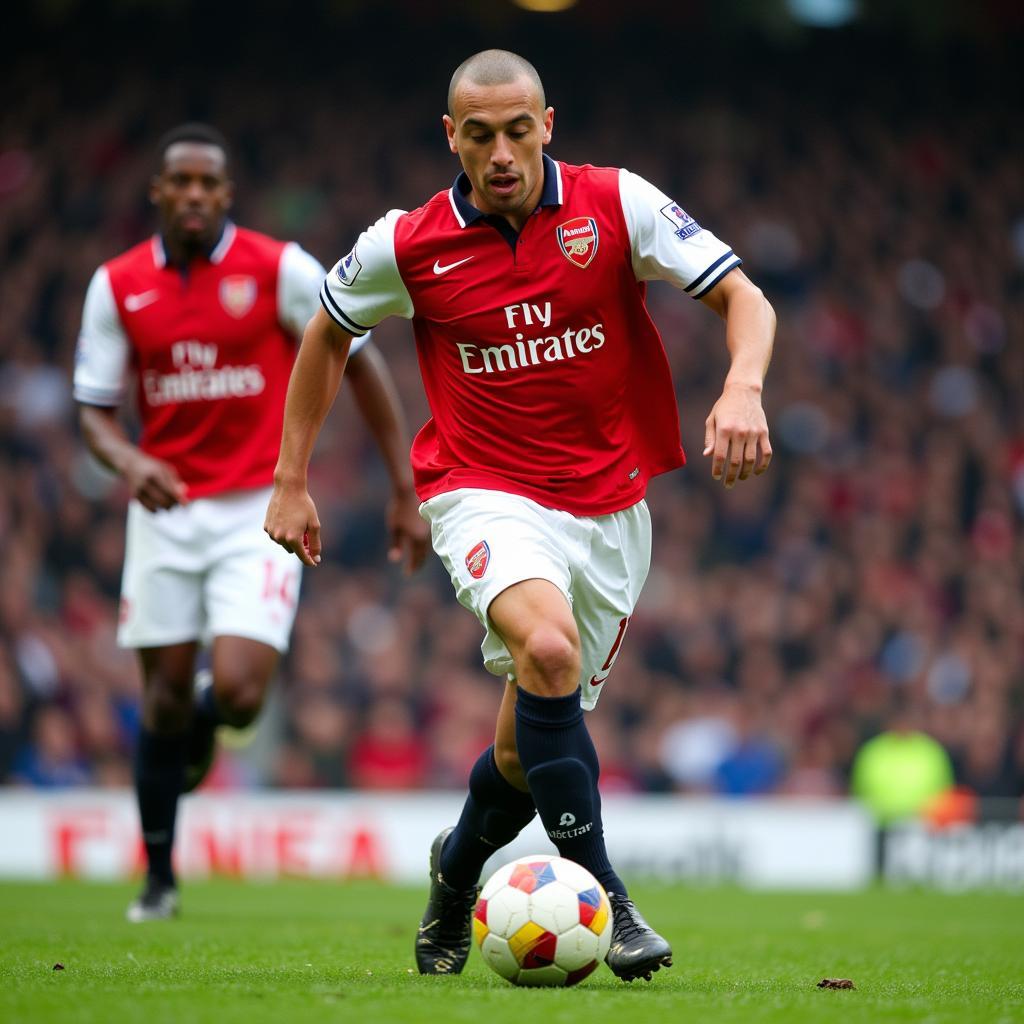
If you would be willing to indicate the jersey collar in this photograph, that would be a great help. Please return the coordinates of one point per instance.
(466, 213)
(215, 255)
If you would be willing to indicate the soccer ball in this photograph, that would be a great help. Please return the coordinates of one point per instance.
(543, 921)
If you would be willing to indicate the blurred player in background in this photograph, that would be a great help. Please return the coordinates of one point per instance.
(552, 406)
(207, 315)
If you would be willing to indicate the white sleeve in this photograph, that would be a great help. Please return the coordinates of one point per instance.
(365, 286)
(299, 279)
(667, 243)
(102, 354)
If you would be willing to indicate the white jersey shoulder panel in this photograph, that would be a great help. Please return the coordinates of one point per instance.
(103, 352)
(667, 244)
(365, 286)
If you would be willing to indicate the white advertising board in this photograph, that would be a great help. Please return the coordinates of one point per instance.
(762, 844)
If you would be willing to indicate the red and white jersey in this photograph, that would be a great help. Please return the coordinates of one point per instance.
(212, 346)
(546, 376)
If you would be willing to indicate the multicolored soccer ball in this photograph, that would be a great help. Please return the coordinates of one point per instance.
(543, 921)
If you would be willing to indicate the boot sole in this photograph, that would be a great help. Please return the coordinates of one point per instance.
(645, 971)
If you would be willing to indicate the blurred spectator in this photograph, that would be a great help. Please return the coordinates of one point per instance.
(51, 758)
(897, 773)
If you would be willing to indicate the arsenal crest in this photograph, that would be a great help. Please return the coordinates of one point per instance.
(577, 238)
(477, 559)
(238, 294)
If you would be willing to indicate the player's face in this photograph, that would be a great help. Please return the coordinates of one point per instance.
(192, 193)
(498, 133)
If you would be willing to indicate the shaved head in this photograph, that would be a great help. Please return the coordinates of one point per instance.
(494, 67)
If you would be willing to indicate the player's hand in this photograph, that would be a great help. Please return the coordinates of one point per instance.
(409, 533)
(736, 435)
(155, 484)
(293, 523)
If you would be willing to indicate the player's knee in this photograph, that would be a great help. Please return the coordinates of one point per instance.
(552, 661)
(168, 704)
(239, 697)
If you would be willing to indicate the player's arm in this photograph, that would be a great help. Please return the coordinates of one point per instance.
(291, 518)
(669, 245)
(736, 430)
(381, 409)
(152, 482)
(102, 357)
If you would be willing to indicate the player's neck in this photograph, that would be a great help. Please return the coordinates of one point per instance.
(183, 251)
(518, 217)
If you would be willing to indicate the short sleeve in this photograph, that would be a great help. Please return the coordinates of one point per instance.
(365, 286)
(102, 353)
(298, 288)
(299, 280)
(667, 243)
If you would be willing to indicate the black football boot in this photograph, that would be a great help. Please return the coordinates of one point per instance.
(442, 945)
(637, 950)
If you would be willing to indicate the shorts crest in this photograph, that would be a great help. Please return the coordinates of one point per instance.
(478, 559)
(577, 238)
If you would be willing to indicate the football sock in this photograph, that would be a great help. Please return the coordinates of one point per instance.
(561, 767)
(494, 813)
(159, 776)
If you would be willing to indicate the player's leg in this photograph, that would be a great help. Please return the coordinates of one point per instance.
(496, 810)
(231, 692)
(487, 541)
(606, 589)
(161, 616)
(251, 594)
(552, 743)
(160, 769)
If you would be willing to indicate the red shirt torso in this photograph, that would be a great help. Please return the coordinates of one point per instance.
(545, 374)
(212, 359)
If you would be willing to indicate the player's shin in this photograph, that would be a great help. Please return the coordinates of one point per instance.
(494, 813)
(562, 769)
(159, 777)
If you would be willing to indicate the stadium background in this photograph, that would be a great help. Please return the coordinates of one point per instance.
(868, 175)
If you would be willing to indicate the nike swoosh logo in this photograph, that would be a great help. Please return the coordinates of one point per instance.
(133, 303)
(439, 270)
(594, 681)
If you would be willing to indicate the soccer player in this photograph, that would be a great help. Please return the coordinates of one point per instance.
(552, 406)
(207, 314)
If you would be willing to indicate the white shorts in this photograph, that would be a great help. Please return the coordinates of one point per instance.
(490, 540)
(206, 569)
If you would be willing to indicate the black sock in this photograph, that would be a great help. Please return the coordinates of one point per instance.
(561, 767)
(495, 812)
(159, 776)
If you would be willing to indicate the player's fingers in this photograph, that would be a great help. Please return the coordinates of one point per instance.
(734, 461)
(396, 543)
(709, 434)
(418, 553)
(765, 456)
(734, 458)
(146, 502)
(167, 479)
(311, 541)
(296, 544)
(749, 456)
(155, 496)
(721, 454)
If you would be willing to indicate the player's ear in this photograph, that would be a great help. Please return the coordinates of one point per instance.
(229, 194)
(154, 189)
(549, 124)
(449, 127)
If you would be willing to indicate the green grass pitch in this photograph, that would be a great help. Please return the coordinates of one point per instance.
(304, 951)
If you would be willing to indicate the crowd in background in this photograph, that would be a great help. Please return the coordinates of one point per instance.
(873, 579)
